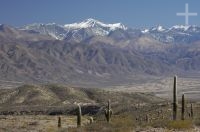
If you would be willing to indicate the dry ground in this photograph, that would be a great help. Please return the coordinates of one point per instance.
(36, 123)
(163, 87)
(41, 123)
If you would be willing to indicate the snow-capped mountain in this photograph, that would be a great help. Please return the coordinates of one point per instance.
(177, 34)
(98, 27)
(78, 31)
(54, 30)
(90, 27)
(28, 55)
(158, 29)
(191, 28)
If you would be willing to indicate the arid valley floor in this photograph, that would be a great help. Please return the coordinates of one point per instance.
(137, 106)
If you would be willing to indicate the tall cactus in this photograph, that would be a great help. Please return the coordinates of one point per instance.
(108, 112)
(175, 99)
(191, 111)
(59, 121)
(79, 114)
(183, 108)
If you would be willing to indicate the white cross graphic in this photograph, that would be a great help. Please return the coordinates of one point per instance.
(186, 14)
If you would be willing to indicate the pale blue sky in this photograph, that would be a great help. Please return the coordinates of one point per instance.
(132, 13)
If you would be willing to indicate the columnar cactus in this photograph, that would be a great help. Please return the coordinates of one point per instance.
(175, 99)
(79, 114)
(108, 112)
(183, 108)
(59, 121)
(191, 111)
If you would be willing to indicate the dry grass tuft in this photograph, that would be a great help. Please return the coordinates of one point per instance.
(180, 124)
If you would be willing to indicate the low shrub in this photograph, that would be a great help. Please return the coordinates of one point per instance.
(180, 124)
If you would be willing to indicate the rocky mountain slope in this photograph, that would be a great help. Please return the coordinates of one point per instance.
(92, 52)
(57, 98)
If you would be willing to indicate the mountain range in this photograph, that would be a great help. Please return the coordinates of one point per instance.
(91, 27)
(92, 51)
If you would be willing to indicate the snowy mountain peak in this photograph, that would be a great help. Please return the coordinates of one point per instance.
(190, 28)
(180, 27)
(79, 31)
(40, 24)
(158, 28)
(88, 28)
(92, 23)
(145, 31)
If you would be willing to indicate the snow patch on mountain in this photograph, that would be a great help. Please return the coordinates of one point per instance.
(182, 27)
(97, 27)
(145, 31)
(80, 31)
(158, 28)
(92, 23)
(86, 28)
(52, 29)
